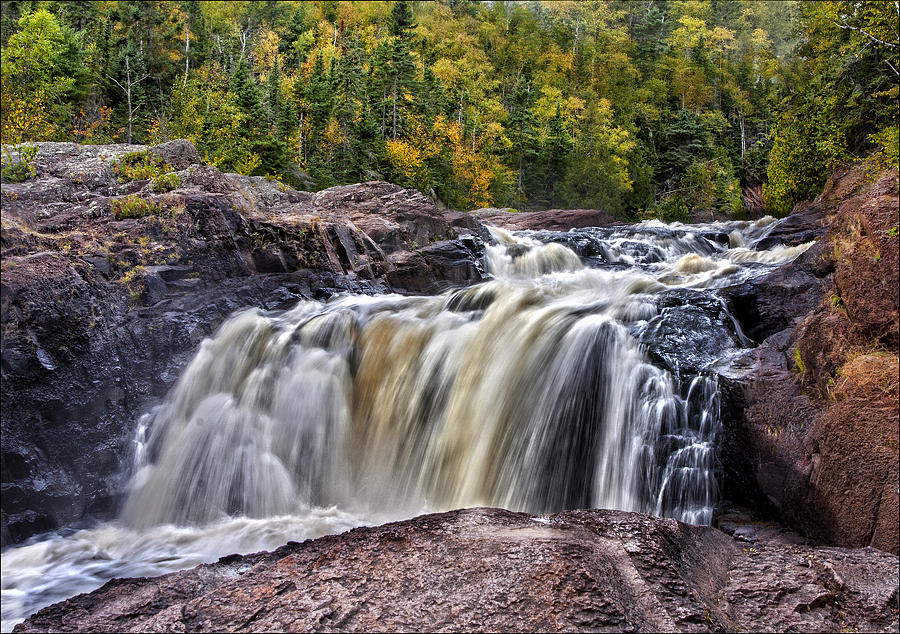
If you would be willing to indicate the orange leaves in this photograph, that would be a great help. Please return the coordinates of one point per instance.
(92, 126)
(474, 172)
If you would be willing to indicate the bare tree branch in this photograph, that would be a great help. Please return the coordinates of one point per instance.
(844, 25)
(892, 68)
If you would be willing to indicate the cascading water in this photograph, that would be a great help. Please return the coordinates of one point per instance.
(552, 386)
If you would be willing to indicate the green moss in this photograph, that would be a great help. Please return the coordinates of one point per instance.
(798, 362)
(837, 302)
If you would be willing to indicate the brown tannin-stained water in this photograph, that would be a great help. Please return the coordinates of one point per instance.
(582, 375)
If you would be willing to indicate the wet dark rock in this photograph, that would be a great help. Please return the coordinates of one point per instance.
(457, 262)
(438, 267)
(584, 244)
(493, 570)
(691, 333)
(100, 315)
(783, 297)
(804, 225)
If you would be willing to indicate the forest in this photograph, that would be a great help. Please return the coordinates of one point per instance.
(652, 108)
(450, 316)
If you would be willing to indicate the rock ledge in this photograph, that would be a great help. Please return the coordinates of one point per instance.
(494, 570)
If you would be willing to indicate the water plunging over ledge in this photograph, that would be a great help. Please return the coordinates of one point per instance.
(564, 382)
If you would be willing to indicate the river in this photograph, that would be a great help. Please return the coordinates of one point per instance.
(582, 374)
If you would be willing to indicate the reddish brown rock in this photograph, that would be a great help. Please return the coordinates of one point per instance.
(551, 219)
(492, 570)
(865, 243)
(819, 431)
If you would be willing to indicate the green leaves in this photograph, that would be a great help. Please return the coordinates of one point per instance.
(534, 105)
(37, 78)
(844, 102)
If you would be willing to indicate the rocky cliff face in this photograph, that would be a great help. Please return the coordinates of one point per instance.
(813, 428)
(492, 570)
(99, 314)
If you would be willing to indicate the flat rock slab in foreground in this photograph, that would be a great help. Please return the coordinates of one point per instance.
(488, 569)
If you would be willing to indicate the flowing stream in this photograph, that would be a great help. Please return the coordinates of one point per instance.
(583, 374)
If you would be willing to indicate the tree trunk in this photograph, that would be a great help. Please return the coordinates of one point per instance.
(521, 190)
(394, 103)
(743, 138)
(187, 49)
(128, 96)
(383, 99)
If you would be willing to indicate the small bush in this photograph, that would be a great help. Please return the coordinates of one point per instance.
(16, 172)
(888, 154)
(137, 166)
(165, 182)
(672, 209)
(133, 207)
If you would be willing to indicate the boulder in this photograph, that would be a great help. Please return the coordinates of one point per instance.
(179, 153)
(692, 332)
(783, 297)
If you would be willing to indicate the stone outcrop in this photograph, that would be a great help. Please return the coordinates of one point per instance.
(812, 428)
(493, 570)
(550, 219)
(100, 314)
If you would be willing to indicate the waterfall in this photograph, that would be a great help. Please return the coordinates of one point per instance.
(528, 392)
(583, 374)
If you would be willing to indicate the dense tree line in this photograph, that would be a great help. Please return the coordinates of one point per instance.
(652, 107)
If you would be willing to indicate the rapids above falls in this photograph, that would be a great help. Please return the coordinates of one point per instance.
(582, 375)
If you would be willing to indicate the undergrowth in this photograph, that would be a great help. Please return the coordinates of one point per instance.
(136, 166)
(134, 207)
(165, 182)
(18, 171)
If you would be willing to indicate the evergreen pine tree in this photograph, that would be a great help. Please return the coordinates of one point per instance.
(521, 124)
(556, 153)
(433, 99)
(243, 86)
(349, 94)
(401, 23)
(273, 94)
(398, 69)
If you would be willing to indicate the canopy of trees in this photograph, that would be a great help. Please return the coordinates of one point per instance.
(635, 107)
